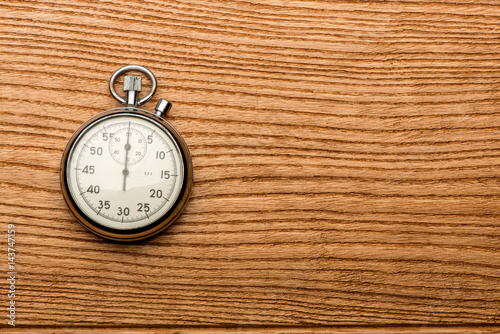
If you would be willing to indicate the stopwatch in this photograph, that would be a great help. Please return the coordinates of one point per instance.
(126, 173)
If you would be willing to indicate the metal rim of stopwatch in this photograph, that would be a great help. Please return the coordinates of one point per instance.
(175, 210)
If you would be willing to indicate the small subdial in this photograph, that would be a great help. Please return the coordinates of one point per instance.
(131, 140)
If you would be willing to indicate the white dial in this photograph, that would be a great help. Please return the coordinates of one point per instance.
(125, 171)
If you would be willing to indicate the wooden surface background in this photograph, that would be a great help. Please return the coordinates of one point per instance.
(346, 165)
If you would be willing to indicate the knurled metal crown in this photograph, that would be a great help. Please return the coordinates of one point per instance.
(132, 82)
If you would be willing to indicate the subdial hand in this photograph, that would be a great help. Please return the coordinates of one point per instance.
(127, 148)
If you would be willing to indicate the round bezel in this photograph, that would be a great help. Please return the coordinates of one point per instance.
(158, 224)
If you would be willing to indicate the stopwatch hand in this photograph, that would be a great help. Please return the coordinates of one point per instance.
(127, 148)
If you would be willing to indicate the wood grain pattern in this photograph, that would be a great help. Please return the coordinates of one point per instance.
(346, 164)
(283, 330)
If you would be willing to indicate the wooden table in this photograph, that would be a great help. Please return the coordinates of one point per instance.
(346, 166)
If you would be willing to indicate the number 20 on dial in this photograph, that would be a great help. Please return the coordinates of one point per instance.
(126, 174)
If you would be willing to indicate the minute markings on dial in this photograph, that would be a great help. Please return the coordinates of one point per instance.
(137, 144)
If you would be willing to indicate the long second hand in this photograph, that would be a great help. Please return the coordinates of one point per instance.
(127, 148)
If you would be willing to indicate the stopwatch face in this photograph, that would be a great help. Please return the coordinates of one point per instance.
(126, 174)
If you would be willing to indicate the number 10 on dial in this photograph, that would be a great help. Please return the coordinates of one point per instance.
(126, 173)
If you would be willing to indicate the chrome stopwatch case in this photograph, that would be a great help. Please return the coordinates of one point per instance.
(126, 173)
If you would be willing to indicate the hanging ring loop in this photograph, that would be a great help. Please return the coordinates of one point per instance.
(129, 68)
